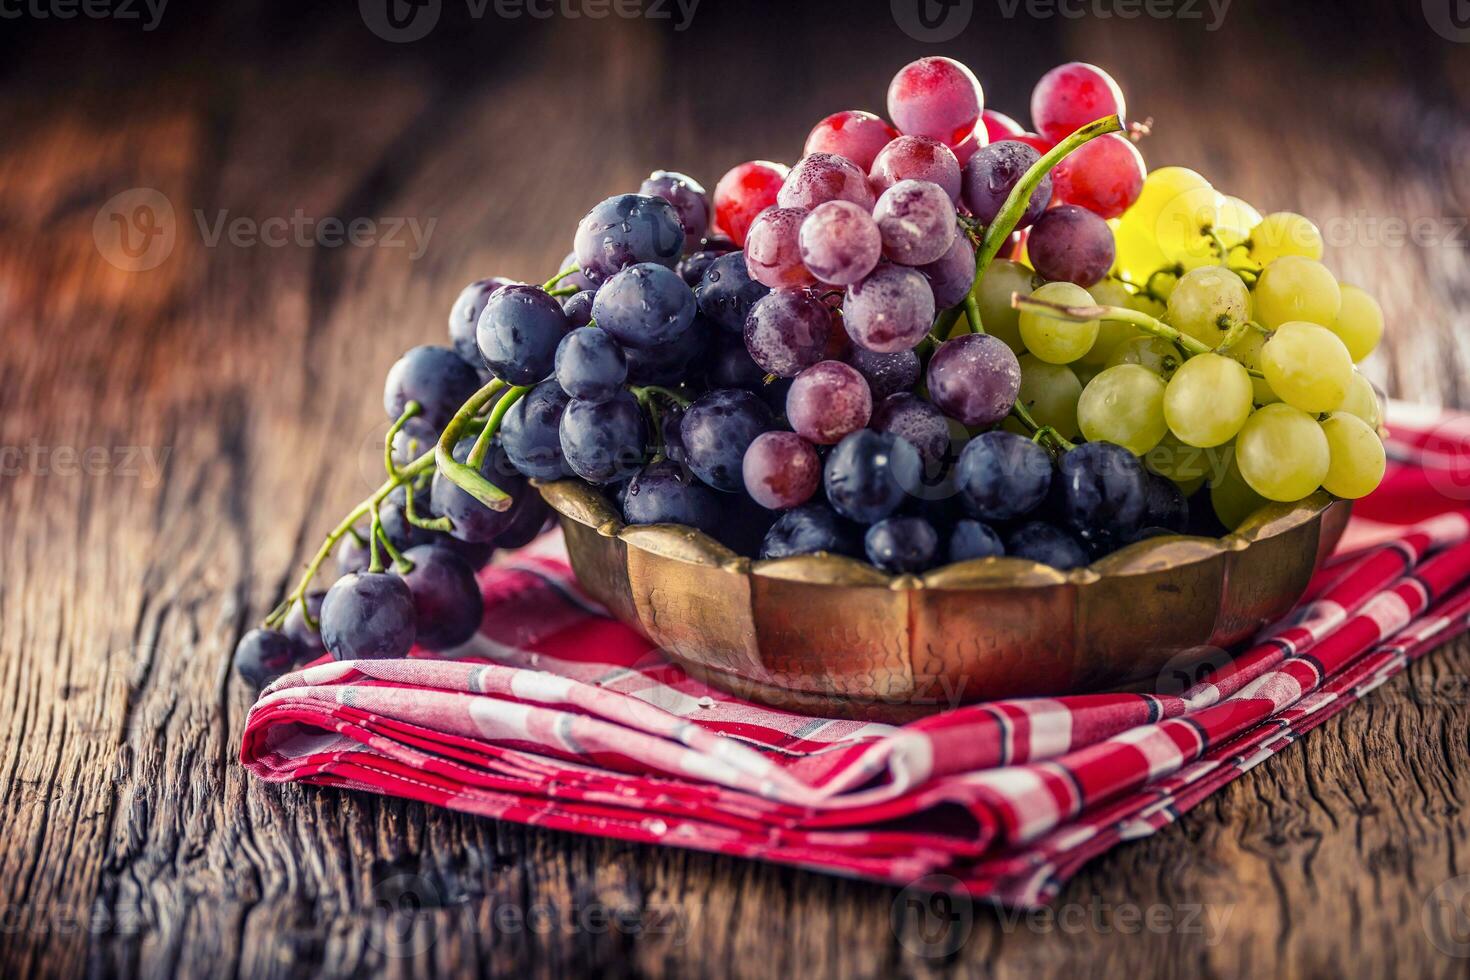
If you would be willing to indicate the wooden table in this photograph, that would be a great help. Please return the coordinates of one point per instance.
(177, 437)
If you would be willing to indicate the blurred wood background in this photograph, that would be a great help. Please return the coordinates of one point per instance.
(176, 437)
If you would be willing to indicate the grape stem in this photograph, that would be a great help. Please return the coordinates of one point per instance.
(550, 284)
(467, 478)
(999, 231)
(1041, 433)
(401, 563)
(481, 448)
(1146, 323)
(662, 392)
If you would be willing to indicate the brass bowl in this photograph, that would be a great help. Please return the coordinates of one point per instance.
(827, 635)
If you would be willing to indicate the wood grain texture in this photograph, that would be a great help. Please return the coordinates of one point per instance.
(229, 397)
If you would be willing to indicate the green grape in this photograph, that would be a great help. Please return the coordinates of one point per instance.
(1208, 303)
(1284, 233)
(1297, 288)
(1055, 340)
(1184, 224)
(1124, 405)
(1144, 303)
(1110, 333)
(993, 294)
(1307, 366)
(1235, 222)
(1154, 353)
(1282, 453)
(1050, 392)
(1247, 350)
(1232, 497)
(1358, 459)
(1208, 400)
(1189, 466)
(1362, 401)
(1135, 254)
(1160, 187)
(1359, 323)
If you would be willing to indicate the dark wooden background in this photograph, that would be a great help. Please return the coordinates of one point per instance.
(132, 843)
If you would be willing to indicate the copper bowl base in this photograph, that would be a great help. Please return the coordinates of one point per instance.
(829, 636)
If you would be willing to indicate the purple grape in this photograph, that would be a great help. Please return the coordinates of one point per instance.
(727, 291)
(590, 365)
(518, 332)
(924, 426)
(731, 366)
(577, 279)
(473, 521)
(1046, 544)
(1104, 496)
(917, 222)
(465, 315)
(974, 378)
(990, 175)
(625, 230)
(447, 602)
(917, 158)
(1002, 476)
(693, 266)
(688, 199)
(902, 544)
(840, 243)
(530, 433)
(886, 374)
(669, 364)
(717, 429)
(262, 655)
(971, 539)
(1071, 244)
(773, 249)
(821, 177)
(809, 529)
(1165, 508)
(307, 640)
(952, 274)
(781, 470)
(667, 493)
(889, 311)
(368, 616)
(578, 307)
(644, 306)
(435, 377)
(393, 518)
(867, 473)
(351, 556)
(827, 401)
(787, 331)
(605, 442)
(528, 516)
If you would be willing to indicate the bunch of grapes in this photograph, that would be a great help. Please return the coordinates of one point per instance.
(932, 340)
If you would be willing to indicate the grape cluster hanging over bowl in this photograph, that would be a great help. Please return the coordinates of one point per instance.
(933, 339)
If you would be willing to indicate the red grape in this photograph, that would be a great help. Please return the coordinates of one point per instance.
(891, 310)
(781, 470)
(853, 134)
(967, 146)
(1071, 244)
(951, 275)
(1105, 176)
(786, 331)
(974, 378)
(936, 97)
(822, 177)
(1071, 96)
(772, 254)
(999, 126)
(827, 401)
(744, 192)
(840, 243)
(917, 221)
(917, 158)
(1038, 143)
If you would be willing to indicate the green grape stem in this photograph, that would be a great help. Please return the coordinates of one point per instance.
(1043, 434)
(468, 478)
(999, 231)
(550, 284)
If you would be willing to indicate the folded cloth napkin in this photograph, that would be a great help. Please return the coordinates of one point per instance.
(559, 716)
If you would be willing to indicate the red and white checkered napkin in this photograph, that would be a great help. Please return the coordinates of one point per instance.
(561, 717)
